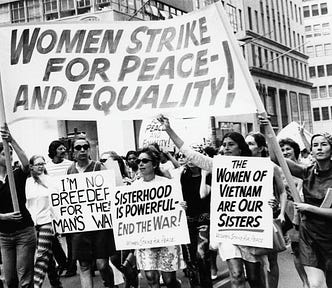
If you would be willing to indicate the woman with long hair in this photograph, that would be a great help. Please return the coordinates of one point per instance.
(315, 243)
(258, 146)
(38, 189)
(236, 256)
(166, 260)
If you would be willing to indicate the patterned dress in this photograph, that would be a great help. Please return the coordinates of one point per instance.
(166, 259)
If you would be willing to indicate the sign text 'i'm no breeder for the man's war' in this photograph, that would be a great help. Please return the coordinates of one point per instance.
(82, 201)
(241, 189)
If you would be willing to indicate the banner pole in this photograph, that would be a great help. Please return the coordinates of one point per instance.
(9, 168)
(259, 104)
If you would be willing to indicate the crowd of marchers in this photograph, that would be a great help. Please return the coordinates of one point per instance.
(30, 248)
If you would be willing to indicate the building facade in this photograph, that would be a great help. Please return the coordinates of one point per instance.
(271, 35)
(317, 16)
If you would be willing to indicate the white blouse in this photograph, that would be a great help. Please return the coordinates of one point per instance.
(38, 202)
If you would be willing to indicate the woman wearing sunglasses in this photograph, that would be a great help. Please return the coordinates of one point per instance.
(236, 256)
(166, 260)
(91, 246)
(38, 189)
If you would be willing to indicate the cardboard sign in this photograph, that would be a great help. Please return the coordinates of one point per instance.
(82, 201)
(241, 189)
(149, 215)
(188, 66)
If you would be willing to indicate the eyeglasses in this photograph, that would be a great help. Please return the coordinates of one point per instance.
(39, 164)
(182, 156)
(144, 161)
(79, 147)
(103, 160)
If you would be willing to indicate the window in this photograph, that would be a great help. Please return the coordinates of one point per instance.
(320, 71)
(319, 50)
(312, 72)
(307, 28)
(253, 55)
(329, 70)
(323, 8)
(17, 11)
(327, 49)
(314, 10)
(256, 19)
(232, 17)
(294, 106)
(326, 28)
(4, 14)
(316, 114)
(313, 92)
(317, 30)
(50, 6)
(322, 92)
(305, 108)
(260, 61)
(33, 11)
(330, 90)
(249, 18)
(325, 113)
(306, 11)
(310, 51)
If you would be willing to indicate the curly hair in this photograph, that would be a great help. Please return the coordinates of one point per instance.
(293, 144)
(154, 154)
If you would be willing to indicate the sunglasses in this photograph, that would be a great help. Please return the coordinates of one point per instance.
(103, 160)
(79, 147)
(144, 161)
(181, 156)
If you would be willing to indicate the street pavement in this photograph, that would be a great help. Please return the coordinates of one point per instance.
(288, 276)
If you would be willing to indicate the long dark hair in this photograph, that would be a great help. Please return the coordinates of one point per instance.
(261, 142)
(239, 140)
(154, 154)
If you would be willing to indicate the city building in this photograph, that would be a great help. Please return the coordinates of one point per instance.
(317, 17)
(271, 35)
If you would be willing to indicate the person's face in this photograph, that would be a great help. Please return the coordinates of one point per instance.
(61, 151)
(321, 148)
(230, 147)
(288, 152)
(81, 150)
(131, 161)
(145, 164)
(255, 150)
(3, 157)
(38, 166)
(182, 159)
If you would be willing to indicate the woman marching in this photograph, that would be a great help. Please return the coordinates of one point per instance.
(38, 189)
(166, 260)
(315, 243)
(237, 257)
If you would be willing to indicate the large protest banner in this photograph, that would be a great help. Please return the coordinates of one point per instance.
(147, 215)
(82, 202)
(241, 189)
(184, 66)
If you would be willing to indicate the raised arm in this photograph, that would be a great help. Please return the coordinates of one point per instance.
(200, 160)
(304, 139)
(6, 135)
(295, 169)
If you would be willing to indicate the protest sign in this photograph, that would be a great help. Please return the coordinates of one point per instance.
(152, 132)
(241, 189)
(128, 70)
(81, 202)
(147, 215)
